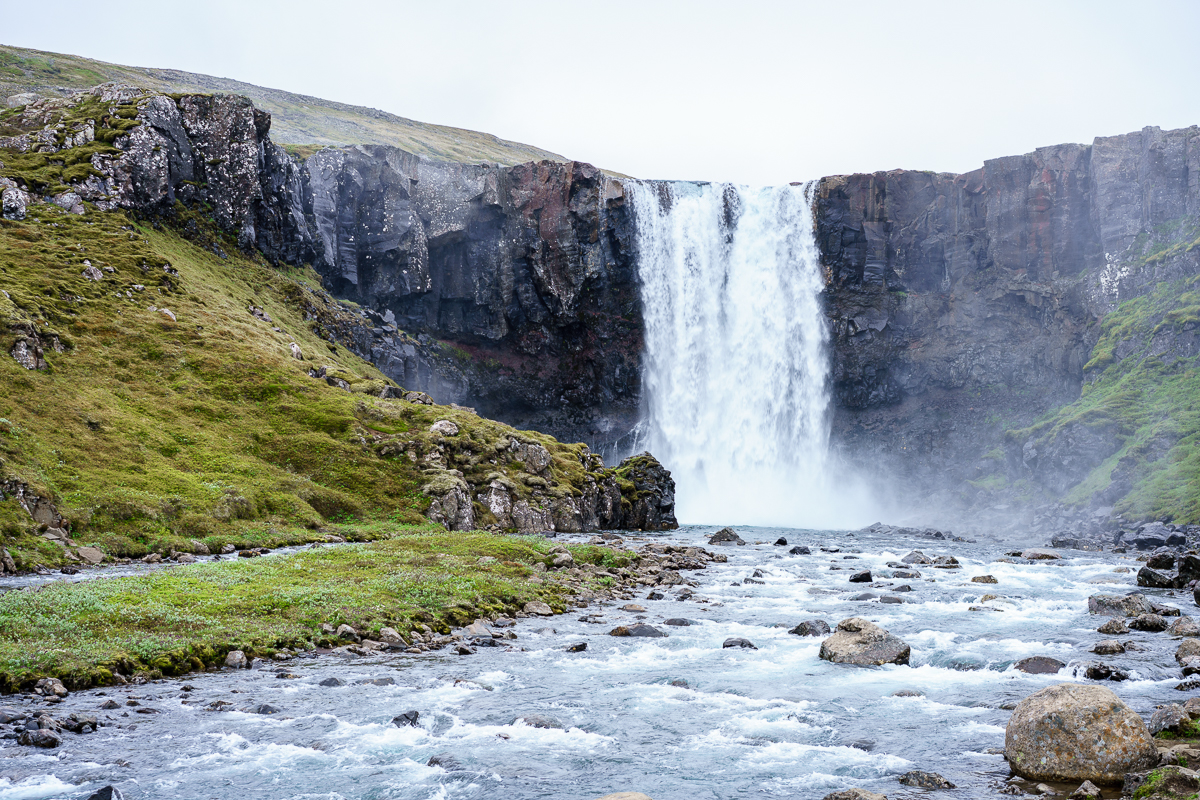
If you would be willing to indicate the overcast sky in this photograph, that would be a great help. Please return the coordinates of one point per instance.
(751, 92)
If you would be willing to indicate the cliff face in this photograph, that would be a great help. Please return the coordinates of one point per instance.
(963, 307)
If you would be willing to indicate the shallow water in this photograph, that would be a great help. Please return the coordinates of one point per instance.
(772, 722)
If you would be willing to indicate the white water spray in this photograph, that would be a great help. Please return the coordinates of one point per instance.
(736, 373)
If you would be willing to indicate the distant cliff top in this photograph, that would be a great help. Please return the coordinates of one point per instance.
(296, 119)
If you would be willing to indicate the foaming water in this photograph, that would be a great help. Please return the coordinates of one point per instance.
(735, 372)
(773, 722)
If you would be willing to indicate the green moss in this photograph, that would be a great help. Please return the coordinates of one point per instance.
(178, 620)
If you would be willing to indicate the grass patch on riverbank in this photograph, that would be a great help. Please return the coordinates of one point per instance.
(187, 618)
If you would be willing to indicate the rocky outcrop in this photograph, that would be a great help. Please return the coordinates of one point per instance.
(964, 306)
(1073, 732)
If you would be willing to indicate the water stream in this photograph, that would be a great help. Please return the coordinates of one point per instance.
(771, 722)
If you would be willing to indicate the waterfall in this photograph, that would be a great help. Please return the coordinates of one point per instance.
(735, 373)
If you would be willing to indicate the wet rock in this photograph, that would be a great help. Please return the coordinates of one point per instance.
(1172, 718)
(1086, 791)
(858, 641)
(1148, 623)
(1040, 554)
(908, 693)
(655, 596)
(1111, 605)
(862, 576)
(641, 630)
(1113, 627)
(800, 550)
(109, 705)
(1039, 665)
(725, 536)
(538, 608)
(854, 794)
(781, 542)
(1108, 647)
(80, 723)
(1188, 648)
(864, 596)
(236, 659)
(406, 720)
(463, 650)
(1164, 559)
(984, 579)
(892, 600)
(678, 622)
(1184, 626)
(1072, 732)
(50, 687)
(539, 721)
(39, 738)
(1153, 579)
(107, 793)
(917, 557)
(925, 780)
(265, 708)
(634, 608)
(578, 647)
(739, 642)
(332, 682)
(906, 574)
(446, 762)
(1097, 671)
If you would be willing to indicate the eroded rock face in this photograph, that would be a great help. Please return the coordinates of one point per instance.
(859, 641)
(1073, 732)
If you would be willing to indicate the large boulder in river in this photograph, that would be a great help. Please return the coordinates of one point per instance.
(858, 641)
(1071, 732)
(1115, 605)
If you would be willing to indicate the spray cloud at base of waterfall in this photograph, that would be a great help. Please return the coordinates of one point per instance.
(735, 373)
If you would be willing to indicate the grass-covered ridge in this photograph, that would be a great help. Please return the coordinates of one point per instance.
(296, 119)
(150, 431)
(184, 619)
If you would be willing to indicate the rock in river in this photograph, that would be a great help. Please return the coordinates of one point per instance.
(925, 780)
(1070, 732)
(1039, 665)
(1148, 623)
(811, 627)
(641, 629)
(855, 794)
(858, 641)
(725, 536)
(1112, 605)
(738, 642)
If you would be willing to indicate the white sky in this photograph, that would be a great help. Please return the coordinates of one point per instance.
(753, 92)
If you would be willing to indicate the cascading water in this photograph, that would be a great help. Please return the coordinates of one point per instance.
(735, 371)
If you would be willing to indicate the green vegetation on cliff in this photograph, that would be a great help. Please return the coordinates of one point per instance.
(1140, 403)
(296, 119)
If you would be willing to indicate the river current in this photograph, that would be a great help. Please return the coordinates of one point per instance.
(776, 722)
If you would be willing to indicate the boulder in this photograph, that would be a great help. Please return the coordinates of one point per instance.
(725, 536)
(1086, 791)
(236, 659)
(445, 761)
(1172, 717)
(984, 579)
(1112, 605)
(738, 642)
(1148, 623)
(800, 550)
(781, 542)
(1192, 706)
(332, 682)
(641, 629)
(917, 557)
(862, 576)
(539, 721)
(1039, 665)
(39, 738)
(50, 687)
(1108, 647)
(1071, 732)
(1189, 648)
(1189, 569)
(925, 780)
(677, 622)
(1113, 627)
(1096, 671)
(811, 627)
(1153, 579)
(854, 794)
(1164, 559)
(406, 720)
(1040, 554)
(538, 608)
(92, 555)
(107, 793)
(858, 641)
(444, 427)
(1184, 626)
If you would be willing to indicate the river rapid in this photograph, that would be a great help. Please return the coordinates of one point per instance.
(776, 722)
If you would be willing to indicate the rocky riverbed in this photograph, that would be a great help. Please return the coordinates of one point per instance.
(708, 670)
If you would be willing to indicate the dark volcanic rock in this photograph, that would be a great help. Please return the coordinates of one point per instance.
(811, 627)
(406, 720)
(800, 550)
(1039, 665)
(1153, 579)
(738, 642)
(863, 576)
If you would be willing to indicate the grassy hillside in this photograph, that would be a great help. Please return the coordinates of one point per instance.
(1140, 405)
(296, 119)
(150, 429)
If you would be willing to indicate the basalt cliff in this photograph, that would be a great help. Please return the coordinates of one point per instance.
(1024, 334)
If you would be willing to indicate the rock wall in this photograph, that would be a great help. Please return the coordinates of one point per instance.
(965, 306)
